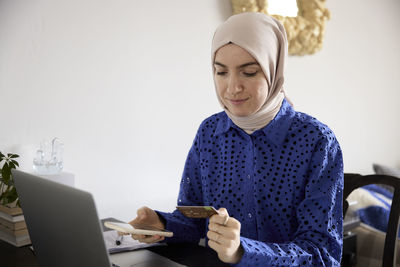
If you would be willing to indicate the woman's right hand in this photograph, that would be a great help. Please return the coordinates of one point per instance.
(148, 218)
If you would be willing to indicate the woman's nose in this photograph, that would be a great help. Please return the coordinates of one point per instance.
(234, 85)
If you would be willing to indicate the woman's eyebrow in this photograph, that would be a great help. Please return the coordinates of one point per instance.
(247, 64)
(239, 67)
(219, 64)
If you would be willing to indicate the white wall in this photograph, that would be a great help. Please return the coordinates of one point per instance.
(125, 85)
(353, 84)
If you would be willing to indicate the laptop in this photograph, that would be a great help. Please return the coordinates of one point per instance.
(65, 229)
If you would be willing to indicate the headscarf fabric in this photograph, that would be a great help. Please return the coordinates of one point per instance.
(265, 39)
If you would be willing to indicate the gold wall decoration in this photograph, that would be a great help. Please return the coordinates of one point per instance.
(305, 32)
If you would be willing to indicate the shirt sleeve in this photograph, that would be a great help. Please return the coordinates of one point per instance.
(190, 194)
(318, 239)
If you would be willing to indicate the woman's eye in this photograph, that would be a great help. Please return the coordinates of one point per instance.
(221, 73)
(250, 74)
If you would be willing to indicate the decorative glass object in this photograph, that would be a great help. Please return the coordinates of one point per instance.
(48, 159)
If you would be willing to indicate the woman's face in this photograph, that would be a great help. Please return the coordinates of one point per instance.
(240, 82)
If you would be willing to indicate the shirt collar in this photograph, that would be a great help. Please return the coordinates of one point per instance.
(224, 124)
(275, 131)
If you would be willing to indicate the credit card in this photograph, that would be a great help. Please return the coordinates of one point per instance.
(197, 211)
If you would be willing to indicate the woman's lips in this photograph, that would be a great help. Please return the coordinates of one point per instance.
(237, 102)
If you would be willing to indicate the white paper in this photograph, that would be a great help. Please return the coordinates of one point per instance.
(127, 242)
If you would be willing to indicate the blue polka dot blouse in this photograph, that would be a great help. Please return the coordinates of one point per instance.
(283, 183)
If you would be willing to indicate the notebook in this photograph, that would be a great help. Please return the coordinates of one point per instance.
(65, 229)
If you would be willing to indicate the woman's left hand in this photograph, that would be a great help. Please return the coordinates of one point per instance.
(224, 237)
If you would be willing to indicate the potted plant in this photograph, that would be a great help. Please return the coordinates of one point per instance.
(8, 192)
(13, 228)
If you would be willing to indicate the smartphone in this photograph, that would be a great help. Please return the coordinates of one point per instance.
(197, 211)
(138, 230)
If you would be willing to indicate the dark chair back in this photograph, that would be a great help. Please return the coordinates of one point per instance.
(354, 181)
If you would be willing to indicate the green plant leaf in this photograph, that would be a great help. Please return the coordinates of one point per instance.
(12, 156)
(15, 163)
(7, 188)
(12, 165)
(12, 195)
(5, 197)
(6, 173)
(9, 195)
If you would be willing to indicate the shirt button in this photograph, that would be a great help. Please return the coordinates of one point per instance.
(249, 215)
(249, 176)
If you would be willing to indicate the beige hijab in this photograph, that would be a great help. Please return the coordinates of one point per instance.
(265, 39)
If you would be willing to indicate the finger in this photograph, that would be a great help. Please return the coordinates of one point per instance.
(137, 237)
(218, 238)
(214, 245)
(226, 232)
(226, 236)
(122, 233)
(141, 216)
(225, 215)
(149, 239)
(230, 223)
(222, 229)
(152, 239)
(221, 218)
(223, 212)
(143, 237)
(216, 227)
(213, 236)
(142, 212)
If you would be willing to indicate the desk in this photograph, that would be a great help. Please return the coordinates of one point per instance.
(186, 254)
(11, 256)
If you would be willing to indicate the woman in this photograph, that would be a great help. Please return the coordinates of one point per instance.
(275, 174)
